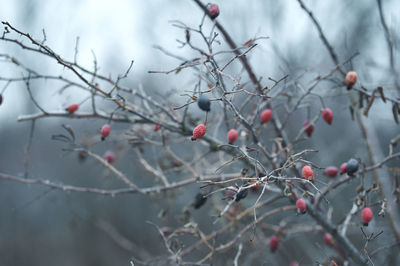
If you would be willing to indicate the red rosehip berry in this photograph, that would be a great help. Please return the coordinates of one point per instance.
(351, 79)
(308, 172)
(157, 127)
(105, 131)
(199, 132)
(301, 205)
(328, 239)
(294, 263)
(72, 108)
(213, 9)
(343, 168)
(232, 136)
(331, 171)
(366, 215)
(309, 128)
(327, 115)
(274, 243)
(266, 115)
(109, 156)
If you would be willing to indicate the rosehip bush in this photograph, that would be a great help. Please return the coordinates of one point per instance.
(173, 183)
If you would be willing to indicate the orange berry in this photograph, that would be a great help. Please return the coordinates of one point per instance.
(256, 187)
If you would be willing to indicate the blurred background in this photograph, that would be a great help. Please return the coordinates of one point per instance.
(40, 226)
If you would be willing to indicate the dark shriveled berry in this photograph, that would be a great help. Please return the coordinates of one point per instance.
(241, 194)
(204, 103)
(352, 166)
(199, 201)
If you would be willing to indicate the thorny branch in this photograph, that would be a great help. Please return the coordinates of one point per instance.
(276, 171)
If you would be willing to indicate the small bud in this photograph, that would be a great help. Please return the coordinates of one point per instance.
(187, 36)
(266, 115)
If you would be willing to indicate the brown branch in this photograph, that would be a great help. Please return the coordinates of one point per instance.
(105, 192)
